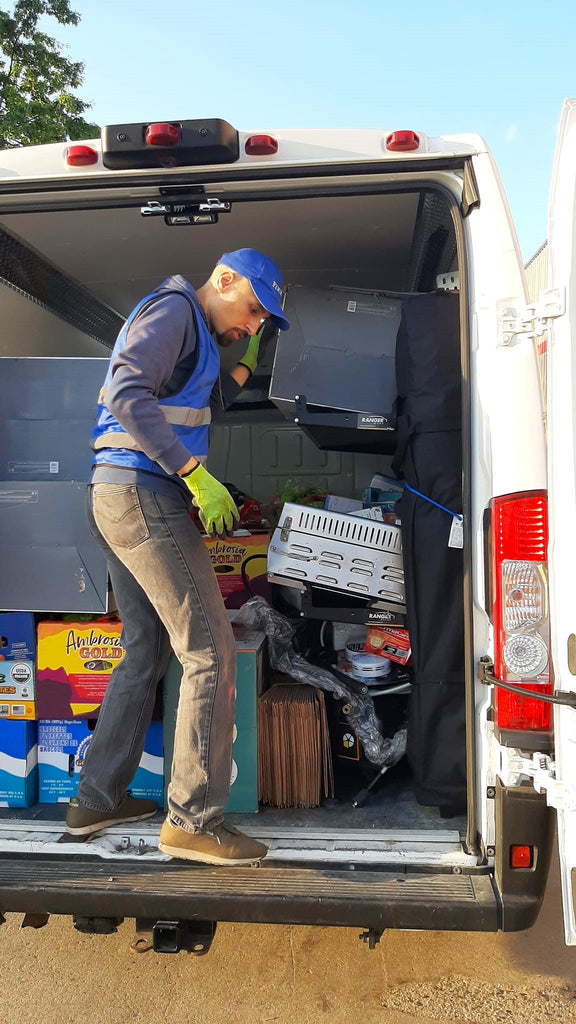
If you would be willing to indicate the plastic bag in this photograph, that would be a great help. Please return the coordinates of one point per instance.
(258, 614)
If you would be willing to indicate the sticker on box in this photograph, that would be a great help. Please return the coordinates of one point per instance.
(75, 662)
(17, 690)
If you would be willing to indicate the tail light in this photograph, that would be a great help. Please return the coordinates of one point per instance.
(520, 608)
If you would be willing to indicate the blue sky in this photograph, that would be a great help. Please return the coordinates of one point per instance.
(501, 69)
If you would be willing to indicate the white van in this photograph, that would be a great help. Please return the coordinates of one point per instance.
(88, 229)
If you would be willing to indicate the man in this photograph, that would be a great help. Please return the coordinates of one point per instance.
(150, 444)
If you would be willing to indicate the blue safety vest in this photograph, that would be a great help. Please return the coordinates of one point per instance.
(188, 411)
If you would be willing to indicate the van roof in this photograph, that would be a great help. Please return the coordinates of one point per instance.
(295, 148)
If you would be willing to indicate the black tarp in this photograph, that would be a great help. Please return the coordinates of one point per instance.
(429, 459)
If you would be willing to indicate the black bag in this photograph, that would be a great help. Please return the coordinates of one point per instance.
(429, 458)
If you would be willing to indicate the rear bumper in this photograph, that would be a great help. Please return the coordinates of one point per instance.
(522, 819)
(271, 894)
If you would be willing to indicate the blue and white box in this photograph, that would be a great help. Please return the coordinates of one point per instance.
(18, 764)
(62, 748)
(148, 782)
(17, 636)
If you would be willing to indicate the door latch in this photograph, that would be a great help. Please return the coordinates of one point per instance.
(515, 767)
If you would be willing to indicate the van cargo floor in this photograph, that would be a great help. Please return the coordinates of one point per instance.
(391, 805)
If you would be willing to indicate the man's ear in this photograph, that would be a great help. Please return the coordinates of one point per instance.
(224, 281)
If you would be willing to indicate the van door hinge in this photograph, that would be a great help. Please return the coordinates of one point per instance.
(531, 321)
(516, 767)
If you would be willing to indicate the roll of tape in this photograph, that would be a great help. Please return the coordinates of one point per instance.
(367, 665)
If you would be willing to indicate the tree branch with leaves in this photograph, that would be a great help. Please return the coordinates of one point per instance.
(37, 83)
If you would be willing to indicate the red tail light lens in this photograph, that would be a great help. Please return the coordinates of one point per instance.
(162, 135)
(521, 856)
(520, 608)
(81, 156)
(402, 142)
(261, 145)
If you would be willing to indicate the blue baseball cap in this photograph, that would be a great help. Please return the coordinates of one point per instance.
(265, 278)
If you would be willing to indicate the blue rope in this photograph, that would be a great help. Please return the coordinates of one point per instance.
(432, 502)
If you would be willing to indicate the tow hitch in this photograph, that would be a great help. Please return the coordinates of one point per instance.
(173, 936)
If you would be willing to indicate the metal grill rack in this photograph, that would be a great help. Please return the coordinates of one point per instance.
(339, 552)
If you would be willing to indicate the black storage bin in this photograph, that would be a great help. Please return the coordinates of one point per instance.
(339, 355)
(49, 560)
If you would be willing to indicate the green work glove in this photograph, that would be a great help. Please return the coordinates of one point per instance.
(250, 357)
(217, 510)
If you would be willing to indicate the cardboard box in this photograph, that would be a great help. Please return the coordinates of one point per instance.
(75, 662)
(18, 764)
(62, 747)
(249, 684)
(17, 690)
(238, 558)
(17, 636)
(393, 644)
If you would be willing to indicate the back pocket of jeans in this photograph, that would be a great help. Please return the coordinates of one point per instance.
(119, 516)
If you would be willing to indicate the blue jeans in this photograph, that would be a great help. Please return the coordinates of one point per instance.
(167, 596)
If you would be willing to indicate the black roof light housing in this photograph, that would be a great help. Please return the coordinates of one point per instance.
(208, 141)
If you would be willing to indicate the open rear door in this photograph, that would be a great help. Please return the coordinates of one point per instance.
(561, 409)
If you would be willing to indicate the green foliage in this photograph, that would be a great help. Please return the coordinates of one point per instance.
(36, 101)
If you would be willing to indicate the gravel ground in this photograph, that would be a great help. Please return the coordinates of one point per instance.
(473, 1002)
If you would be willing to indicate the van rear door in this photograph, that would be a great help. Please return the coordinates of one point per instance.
(561, 402)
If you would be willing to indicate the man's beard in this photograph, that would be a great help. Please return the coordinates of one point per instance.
(228, 338)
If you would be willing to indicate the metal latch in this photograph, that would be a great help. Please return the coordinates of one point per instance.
(195, 211)
(532, 321)
(213, 205)
(285, 528)
(153, 209)
(449, 282)
(516, 767)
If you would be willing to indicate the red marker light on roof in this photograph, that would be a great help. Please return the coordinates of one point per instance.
(162, 135)
(402, 142)
(81, 156)
(261, 145)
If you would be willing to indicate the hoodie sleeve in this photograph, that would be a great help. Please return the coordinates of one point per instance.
(161, 335)
(224, 393)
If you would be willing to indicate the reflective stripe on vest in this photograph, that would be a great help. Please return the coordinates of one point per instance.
(177, 414)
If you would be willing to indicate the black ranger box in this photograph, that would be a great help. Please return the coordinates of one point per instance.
(334, 370)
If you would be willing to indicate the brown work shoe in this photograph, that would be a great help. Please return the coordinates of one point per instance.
(82, 821)
(223, 844)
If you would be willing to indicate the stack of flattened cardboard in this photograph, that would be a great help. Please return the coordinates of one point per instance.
(294, 759)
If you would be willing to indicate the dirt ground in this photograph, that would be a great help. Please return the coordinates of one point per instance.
(256, 975)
